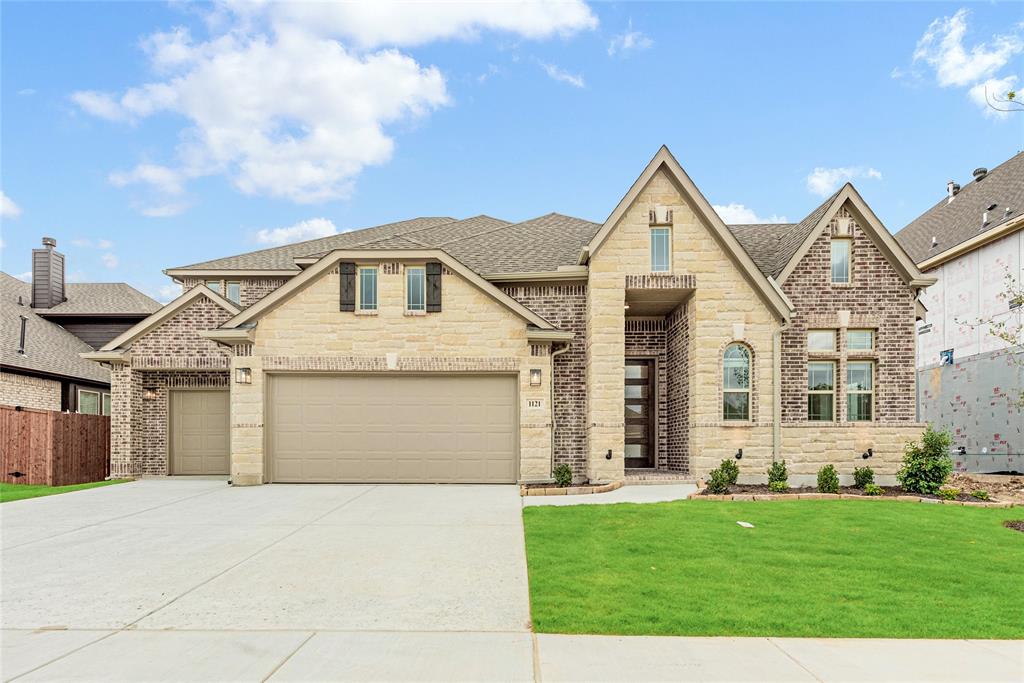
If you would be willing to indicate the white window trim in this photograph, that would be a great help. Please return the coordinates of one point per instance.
(99, 401)
(359, 290)
(820, 329)
(870, 332)
(849, 261)
(747, 391)
(668, 249)
(107, 396)
(227, 290)
(215, 285)
(823, 391)
(422, 269)
(857, 392)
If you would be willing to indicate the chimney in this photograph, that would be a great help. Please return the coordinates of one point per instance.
(951, 190)
(980, 173)
(47, 275)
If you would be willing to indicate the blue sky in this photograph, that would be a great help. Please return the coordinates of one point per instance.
(145, 135)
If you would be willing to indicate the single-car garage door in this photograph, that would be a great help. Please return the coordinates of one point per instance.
(422, 429)
(199, 441)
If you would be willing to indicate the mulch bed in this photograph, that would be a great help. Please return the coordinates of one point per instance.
(887, 492)
(1016, 524)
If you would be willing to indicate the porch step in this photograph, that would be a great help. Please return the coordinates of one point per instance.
(652, 477)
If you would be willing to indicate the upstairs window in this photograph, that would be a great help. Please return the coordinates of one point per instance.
(213, 285)
(840, 261)
(368, 289)
(860, 340)
(736, 383)
(821, 340)
(821, 391)
(659, 250)
(415, 289)
(234, 292)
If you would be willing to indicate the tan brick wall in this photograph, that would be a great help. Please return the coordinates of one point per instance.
(472, 333)
(723, 307)
(252, 288)
(29, 392)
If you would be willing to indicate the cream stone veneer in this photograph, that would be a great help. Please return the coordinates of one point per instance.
(472, 334)
(723, 304)
(723, 308)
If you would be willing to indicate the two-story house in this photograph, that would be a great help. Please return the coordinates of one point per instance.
(478, 350)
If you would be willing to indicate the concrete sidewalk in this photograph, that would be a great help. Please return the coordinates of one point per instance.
(158, 655)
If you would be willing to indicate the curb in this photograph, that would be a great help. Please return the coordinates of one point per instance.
(570, 490)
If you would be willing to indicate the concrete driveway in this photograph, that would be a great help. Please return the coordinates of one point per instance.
(133, 581)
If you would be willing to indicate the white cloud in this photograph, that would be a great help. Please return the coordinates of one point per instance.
(164, 210)
(393, 22)
(277, 103)
(8, 209)
(563, 76)
(25, 277)
(168, 293)
(628, 40)
(303, 230)
(824, 181)
(109, 260)
(973, 67)
(734, 214)
(27, 92)
(492, 71)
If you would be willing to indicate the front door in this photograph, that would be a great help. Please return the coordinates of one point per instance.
(639, 412)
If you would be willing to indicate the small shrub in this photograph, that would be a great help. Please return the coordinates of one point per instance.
(926, 466)
(778, 486)
(563, 475)
(731, 470)
(718, 481)
(778, 472)
(828, 480)
(980, 494)
(872, 489)
(862, 476)
(948, 493)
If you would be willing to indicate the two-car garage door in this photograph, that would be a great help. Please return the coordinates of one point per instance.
(397, 428)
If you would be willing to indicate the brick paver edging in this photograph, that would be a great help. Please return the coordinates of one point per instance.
(570, 490)
(845, 496)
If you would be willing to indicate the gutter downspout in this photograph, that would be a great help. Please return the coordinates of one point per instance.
(551, 381)
(777, 391)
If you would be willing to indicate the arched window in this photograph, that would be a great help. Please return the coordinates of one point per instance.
(736, 382)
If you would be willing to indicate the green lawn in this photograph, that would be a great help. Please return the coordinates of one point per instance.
(808, 568)
(9, 492)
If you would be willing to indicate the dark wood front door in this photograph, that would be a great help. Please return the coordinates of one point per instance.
(639, 412)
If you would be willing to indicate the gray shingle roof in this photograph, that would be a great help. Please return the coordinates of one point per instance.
(99, 298)
(283, 258)
(772, 245)
(48, 346)
(484, 243)
(952, 223)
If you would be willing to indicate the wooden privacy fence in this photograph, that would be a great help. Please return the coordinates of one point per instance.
(53, 448)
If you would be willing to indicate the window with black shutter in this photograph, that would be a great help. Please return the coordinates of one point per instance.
(348, 287)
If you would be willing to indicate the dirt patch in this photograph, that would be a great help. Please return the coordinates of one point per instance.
(1007, 488)
(1015, 524)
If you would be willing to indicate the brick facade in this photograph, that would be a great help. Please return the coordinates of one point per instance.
(252, 288)
(29, 392)
(677, 364)
(564, 305)
(876, 298)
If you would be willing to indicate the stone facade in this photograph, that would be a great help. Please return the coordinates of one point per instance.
(472, 333)
(29, 392)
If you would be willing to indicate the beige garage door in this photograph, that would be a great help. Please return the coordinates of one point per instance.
(393, 429)
(199, 432)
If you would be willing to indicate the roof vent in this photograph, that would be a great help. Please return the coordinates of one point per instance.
(980, 173)
(660, 215)
(951, 190)
(21, 343)
(935, 242)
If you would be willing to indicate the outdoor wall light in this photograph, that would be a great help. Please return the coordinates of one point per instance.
(739, 454)
(608, 455)
(868, 453)
(243, 376)
(535, 377)
(149, 393)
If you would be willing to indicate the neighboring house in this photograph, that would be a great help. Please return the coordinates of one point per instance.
(478, 350)
(970, 380)
(48, 324)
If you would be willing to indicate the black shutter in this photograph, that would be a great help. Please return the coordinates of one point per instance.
(348, 286)
(433, 288)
